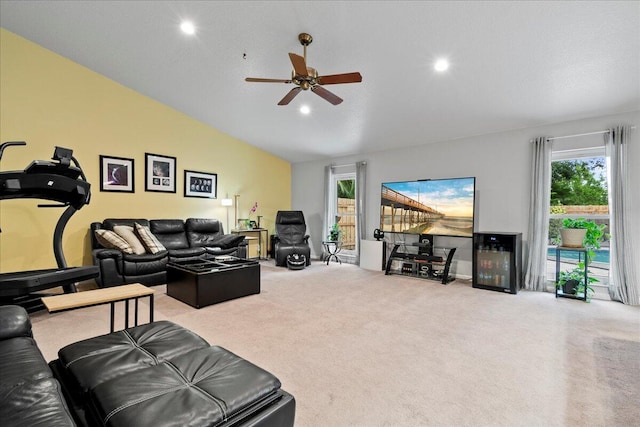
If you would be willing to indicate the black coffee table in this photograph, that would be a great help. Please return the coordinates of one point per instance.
(200, 283)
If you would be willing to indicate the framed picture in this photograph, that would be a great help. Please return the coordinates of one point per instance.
(116, 174)
(200, 184)
(159, 173)
(242, 223)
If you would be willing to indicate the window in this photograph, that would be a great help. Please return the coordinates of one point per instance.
(343, 210)
(579, 190)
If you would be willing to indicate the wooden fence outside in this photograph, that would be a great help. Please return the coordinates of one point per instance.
(580, 210)
(347, 223)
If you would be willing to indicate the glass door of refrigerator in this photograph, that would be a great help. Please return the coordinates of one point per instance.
(494, 267)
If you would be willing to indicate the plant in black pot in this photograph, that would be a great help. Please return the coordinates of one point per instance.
(572, 282)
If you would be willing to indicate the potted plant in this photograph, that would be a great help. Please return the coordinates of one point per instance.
(334, 233)
(572, 282)
(248, 222)
(579, 233)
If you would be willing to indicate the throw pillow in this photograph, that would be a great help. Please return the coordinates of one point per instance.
(126, 232)
(111, 240)
(147, 238)
(228, 241)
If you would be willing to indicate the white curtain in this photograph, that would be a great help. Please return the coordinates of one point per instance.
(361, 191)
(623, 283)
(328, 175)
(535, 277)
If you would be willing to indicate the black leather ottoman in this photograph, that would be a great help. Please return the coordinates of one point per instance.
(161, 374)
(201, 283)
(296, 261)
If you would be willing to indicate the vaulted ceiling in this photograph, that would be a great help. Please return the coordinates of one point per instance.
(513, 64)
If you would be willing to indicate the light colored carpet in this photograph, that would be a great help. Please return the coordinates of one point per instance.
(358, 348)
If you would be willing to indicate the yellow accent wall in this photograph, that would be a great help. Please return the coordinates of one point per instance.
(48, 100)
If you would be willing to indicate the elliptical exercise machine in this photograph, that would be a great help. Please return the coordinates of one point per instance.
(56, 180)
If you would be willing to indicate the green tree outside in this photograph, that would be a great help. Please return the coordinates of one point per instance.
(347, 189)
(579, 182)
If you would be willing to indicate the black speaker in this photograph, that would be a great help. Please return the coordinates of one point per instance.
(426, 244)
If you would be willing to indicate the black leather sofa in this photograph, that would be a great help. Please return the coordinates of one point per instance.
(158, 374)
(29, 393)
(184, 240)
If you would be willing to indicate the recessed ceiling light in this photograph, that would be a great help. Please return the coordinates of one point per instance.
(187, 27)
(305, 109)
(441, 65)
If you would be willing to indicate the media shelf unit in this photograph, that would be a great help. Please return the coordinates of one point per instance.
(417, 260)
(497, 261)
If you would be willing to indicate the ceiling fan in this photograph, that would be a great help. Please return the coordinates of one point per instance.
(305, 77)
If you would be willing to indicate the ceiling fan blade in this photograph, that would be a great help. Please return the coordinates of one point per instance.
(335, 79)
(299, 65)
(253, 79)
(288, 97)
(322, 92)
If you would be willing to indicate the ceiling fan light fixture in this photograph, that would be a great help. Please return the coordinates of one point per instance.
(187, 27)
(441, 65)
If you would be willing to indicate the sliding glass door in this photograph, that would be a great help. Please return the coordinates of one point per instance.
(343, 210)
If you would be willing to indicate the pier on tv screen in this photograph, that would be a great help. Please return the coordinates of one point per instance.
(443, 207)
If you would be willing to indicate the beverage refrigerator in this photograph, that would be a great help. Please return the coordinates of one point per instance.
(497, 261)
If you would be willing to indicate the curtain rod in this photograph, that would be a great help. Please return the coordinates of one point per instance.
(348, 164)
(583, 134)
(580, 134)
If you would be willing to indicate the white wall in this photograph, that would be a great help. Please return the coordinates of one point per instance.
(500, 162)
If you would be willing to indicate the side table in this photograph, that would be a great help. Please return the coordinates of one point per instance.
(259, 236)
(332, 249)
(111, 295)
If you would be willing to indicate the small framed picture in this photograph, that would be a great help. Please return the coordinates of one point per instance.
(159, 173)
(200, 184)
(242, 223)
(116, 174)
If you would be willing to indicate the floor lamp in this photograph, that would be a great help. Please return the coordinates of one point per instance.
(235, 202)
(227, 203)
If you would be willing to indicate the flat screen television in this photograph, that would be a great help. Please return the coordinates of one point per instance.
(442, 207)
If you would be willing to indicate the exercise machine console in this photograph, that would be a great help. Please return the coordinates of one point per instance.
(61, 180)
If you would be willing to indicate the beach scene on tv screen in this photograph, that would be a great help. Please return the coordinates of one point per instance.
(441, 207)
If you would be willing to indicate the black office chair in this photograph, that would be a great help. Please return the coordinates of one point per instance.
(291, 237)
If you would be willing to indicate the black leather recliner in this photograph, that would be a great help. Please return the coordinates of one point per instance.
(290, 237)
(209, 234)
(118, 268)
